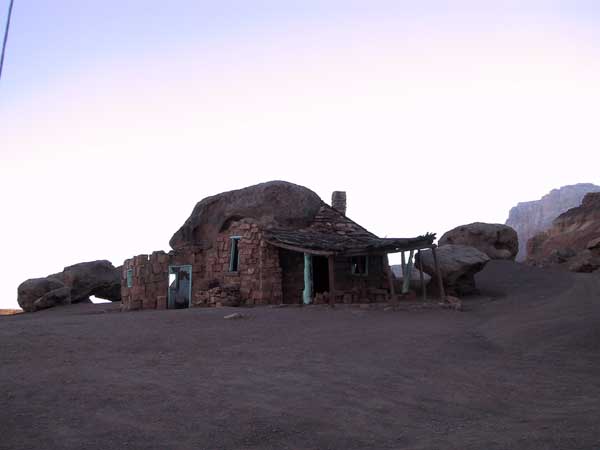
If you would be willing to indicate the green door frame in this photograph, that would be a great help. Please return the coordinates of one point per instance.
(187, 268)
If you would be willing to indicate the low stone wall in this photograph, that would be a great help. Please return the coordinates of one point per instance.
(149, 282)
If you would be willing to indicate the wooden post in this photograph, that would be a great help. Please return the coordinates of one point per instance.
(390, 278)
(406, 273)
(308, 280)
(331, 267)
(423, 287)
(403, 263)
(439, 274)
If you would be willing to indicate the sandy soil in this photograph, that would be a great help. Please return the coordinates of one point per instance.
(519, 369)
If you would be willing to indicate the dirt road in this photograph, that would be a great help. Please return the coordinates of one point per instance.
(519, 369)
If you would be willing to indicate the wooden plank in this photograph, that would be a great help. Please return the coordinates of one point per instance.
(439, 275)
(331, 267)
(407, 275)
(403, 264)
(390, 276)
(403, 248)
(299, 249)
(361, 252)
(422, 278)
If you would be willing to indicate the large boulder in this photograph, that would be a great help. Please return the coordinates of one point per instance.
(98, 278)
(458, 265)
(74, 284)
(495, 240)
(277, 204)
(531, 218)
(40, 293)
(573, 240)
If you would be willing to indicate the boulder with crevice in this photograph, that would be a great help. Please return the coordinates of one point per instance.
(458, 265)
(75, 284)
(97, 278)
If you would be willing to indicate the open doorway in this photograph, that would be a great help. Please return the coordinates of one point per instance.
(180, 286)
(320, 268)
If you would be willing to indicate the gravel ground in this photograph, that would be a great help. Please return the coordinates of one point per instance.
(518, 369)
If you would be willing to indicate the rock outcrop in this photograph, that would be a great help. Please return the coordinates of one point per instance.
(573, 240)
(495, 240)
(458, 266)
(41, 293)
(277, 204)
(74, 284)
(531, 218)
(98, 278)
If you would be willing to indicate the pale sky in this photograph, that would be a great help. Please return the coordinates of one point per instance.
(116, 117)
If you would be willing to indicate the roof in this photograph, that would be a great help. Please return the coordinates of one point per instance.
(331, 232)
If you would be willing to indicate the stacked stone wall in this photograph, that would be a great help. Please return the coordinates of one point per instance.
(258, 277)
(149, 282)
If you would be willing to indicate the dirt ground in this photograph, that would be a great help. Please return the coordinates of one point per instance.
(518, 369)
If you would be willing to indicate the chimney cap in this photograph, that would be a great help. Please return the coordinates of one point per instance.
(338, 201)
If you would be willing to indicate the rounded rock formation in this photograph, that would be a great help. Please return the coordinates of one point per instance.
(75, 284)
(495, 240)
(41, 293)
(458, 265)
(276, 204)
(98, 278)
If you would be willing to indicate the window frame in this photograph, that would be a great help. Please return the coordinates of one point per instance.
(234, 245)
(129, 278)
(366, 272)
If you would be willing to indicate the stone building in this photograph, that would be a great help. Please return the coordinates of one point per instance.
(272, 243)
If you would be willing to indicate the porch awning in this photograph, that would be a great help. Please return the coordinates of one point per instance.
(330, 243)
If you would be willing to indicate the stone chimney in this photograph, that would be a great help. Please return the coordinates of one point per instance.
(338, 201)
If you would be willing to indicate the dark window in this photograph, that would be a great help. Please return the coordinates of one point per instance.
(234, 258)
(359, 265)
(129, 278)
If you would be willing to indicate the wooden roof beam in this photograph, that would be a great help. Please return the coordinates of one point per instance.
(300, 249)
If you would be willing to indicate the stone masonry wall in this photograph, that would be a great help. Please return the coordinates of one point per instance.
(258, 277)
(150, 282)
(257, 280)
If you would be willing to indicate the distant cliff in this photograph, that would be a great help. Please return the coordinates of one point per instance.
(530, 218)
(572, 241)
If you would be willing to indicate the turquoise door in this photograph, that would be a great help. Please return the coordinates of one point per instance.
(180, 287)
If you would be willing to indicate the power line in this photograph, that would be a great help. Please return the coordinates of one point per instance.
(10, 7)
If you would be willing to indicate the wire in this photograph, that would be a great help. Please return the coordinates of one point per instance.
(10, 7)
